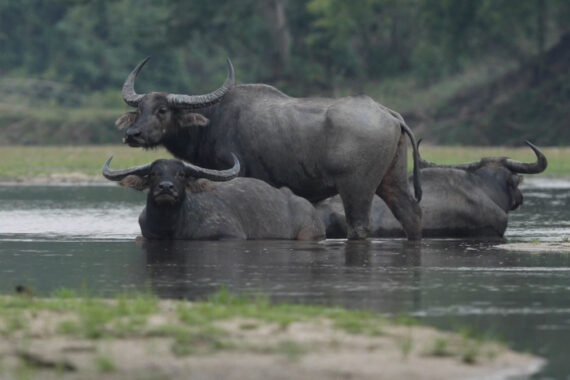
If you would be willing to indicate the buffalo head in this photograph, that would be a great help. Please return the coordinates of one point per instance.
(167, 179)
(500, 173)
(160, 115)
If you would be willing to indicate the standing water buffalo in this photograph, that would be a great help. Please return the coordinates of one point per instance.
(317, 147)
(180, 206)
(470, 200)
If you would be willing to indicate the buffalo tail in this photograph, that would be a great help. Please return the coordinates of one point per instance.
(416, 154)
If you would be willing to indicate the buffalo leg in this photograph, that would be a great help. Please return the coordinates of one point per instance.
(357, 204)
(395, 192)
(405, 209)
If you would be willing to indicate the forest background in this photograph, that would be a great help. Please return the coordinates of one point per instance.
(474, 72)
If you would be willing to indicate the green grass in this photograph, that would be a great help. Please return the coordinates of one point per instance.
(440, 347)
(29, 162)
(126, 315)
(292, 350)
(53, 124)
(471, 352)
(94, 318)
(558, 158)
(406, 344)
(24, 163)
(194, 329)
(204, 327)
(105, 364)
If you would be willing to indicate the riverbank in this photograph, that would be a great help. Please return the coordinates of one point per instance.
(537, 246)
(82, 164)
(141, 337)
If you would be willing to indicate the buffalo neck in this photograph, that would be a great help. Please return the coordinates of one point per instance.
(192, 144)
(185, 144)
(163, 219)
(496, 187)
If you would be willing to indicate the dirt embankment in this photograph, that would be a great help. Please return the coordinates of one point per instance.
(134, 339)
(529, 103)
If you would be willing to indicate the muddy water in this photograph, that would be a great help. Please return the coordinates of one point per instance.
(85, 237)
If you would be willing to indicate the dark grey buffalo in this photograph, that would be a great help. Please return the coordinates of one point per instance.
(184, 202)
(470, 200)
(317, 147)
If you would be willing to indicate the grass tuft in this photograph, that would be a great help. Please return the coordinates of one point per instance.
(406, 344)
(105, 364)
(440, 347)
(292, 350)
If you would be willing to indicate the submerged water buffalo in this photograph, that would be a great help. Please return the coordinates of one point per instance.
(317, 147)
(183, 202)
(470, 200)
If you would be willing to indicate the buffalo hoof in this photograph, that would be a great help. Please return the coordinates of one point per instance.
(357, 233)
(415, 235)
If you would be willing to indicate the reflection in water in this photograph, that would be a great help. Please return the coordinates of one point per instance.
(357, 253)
(52, 237)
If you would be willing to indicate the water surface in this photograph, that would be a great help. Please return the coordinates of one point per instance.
(85, 236)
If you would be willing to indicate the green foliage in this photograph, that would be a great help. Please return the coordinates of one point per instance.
(76, 54)
(93, 44)
(535, 115)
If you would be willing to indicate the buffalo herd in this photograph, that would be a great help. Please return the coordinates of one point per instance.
(307, 168)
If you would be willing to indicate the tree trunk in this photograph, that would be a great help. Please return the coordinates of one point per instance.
(540, 40)
(276, 18)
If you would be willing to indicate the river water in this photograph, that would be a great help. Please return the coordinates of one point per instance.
(86, 237)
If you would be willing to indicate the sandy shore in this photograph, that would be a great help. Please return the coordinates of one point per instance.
(173, 345)
(537, 246)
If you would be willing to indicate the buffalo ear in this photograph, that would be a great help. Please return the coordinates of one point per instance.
(126, 120)
(135, 182)
(188, 119)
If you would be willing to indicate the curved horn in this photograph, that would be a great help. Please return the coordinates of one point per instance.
(528, 168)
(214, 175)
(129, 95)
(117, 175)
(470, 166)
(200, 101)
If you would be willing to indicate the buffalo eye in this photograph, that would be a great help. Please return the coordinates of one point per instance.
(181, 175)
(162, 110)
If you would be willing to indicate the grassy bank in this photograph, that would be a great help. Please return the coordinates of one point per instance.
(227, 336)
(558, 158)
(83, 163)
(53, 124)
(68, 163)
